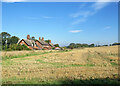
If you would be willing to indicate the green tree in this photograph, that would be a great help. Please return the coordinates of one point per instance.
(115, 44)
(32, 38)
(17, 47)
(72, 45)
(47, 41)
(5, 36)
(14, 40)
(91, 45)
(56, 45)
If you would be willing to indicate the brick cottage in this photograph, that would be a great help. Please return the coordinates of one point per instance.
(36, 44)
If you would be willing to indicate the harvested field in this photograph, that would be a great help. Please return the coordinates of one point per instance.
(57, 67)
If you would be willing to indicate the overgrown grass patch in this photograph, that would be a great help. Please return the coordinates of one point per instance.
(61, 65)
(8, 63)
(31, 54)
(114, 64)
(41, 61)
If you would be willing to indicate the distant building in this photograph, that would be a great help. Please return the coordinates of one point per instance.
(43, 45)
(50, 44)
(57, 48)
(38, 44)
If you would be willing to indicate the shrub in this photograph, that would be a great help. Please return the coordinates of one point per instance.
(17, 47)
(25, 47)
(53, 48)
(64, 47)
(9, 49)
(43, 49)
(13, 46)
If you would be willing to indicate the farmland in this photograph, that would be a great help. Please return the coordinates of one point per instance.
(76, 66)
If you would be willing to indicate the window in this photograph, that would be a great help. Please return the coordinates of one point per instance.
(33, 44)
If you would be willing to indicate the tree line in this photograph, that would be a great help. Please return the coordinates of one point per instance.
(78, 45)
(9, 42)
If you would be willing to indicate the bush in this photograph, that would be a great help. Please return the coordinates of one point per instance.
(13, 46)
(19, 47)
(71, 47)
(53, 48)
(9, 49)
(43, 49)
(56, 45)
(16, 47)
(64, 47)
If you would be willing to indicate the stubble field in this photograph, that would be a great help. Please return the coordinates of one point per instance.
(77, 66)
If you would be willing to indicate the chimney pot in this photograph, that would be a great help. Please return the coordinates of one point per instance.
(28, 36)
(43, 38)
(50, 41)
(39, 38)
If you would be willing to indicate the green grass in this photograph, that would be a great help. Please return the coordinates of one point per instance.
(61, 65)
(41, 61)
(114, 64)
(20, 56)
(30, 54)
(62, 82)
(7, 63)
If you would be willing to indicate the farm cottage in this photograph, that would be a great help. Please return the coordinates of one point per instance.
(36, 44)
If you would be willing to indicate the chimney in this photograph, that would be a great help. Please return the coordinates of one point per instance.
(39, 38)
(43, 38)
(28, 36)
(49, 41)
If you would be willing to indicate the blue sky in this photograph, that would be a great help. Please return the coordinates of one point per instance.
(63, 22)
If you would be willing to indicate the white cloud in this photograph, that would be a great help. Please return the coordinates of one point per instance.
(75, 31)
(46, 17)
(13, 0)
(107, 27)
(79, 21)
(100, 4)
(81, 13)
(94, 8)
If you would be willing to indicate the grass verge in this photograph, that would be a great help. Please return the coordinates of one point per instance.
(31, 54)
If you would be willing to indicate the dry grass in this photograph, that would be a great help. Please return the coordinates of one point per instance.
(88, 63)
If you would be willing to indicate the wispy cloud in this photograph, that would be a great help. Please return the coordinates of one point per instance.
(47, 17)
(107, 27)
(37, 18)
(100, 4)
(94, 8)
(81, 13)
(79, 21)
(13, 0)
(75, 31)
(82, 5)
(32, 18)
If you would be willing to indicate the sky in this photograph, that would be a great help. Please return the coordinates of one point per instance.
(62, 22)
